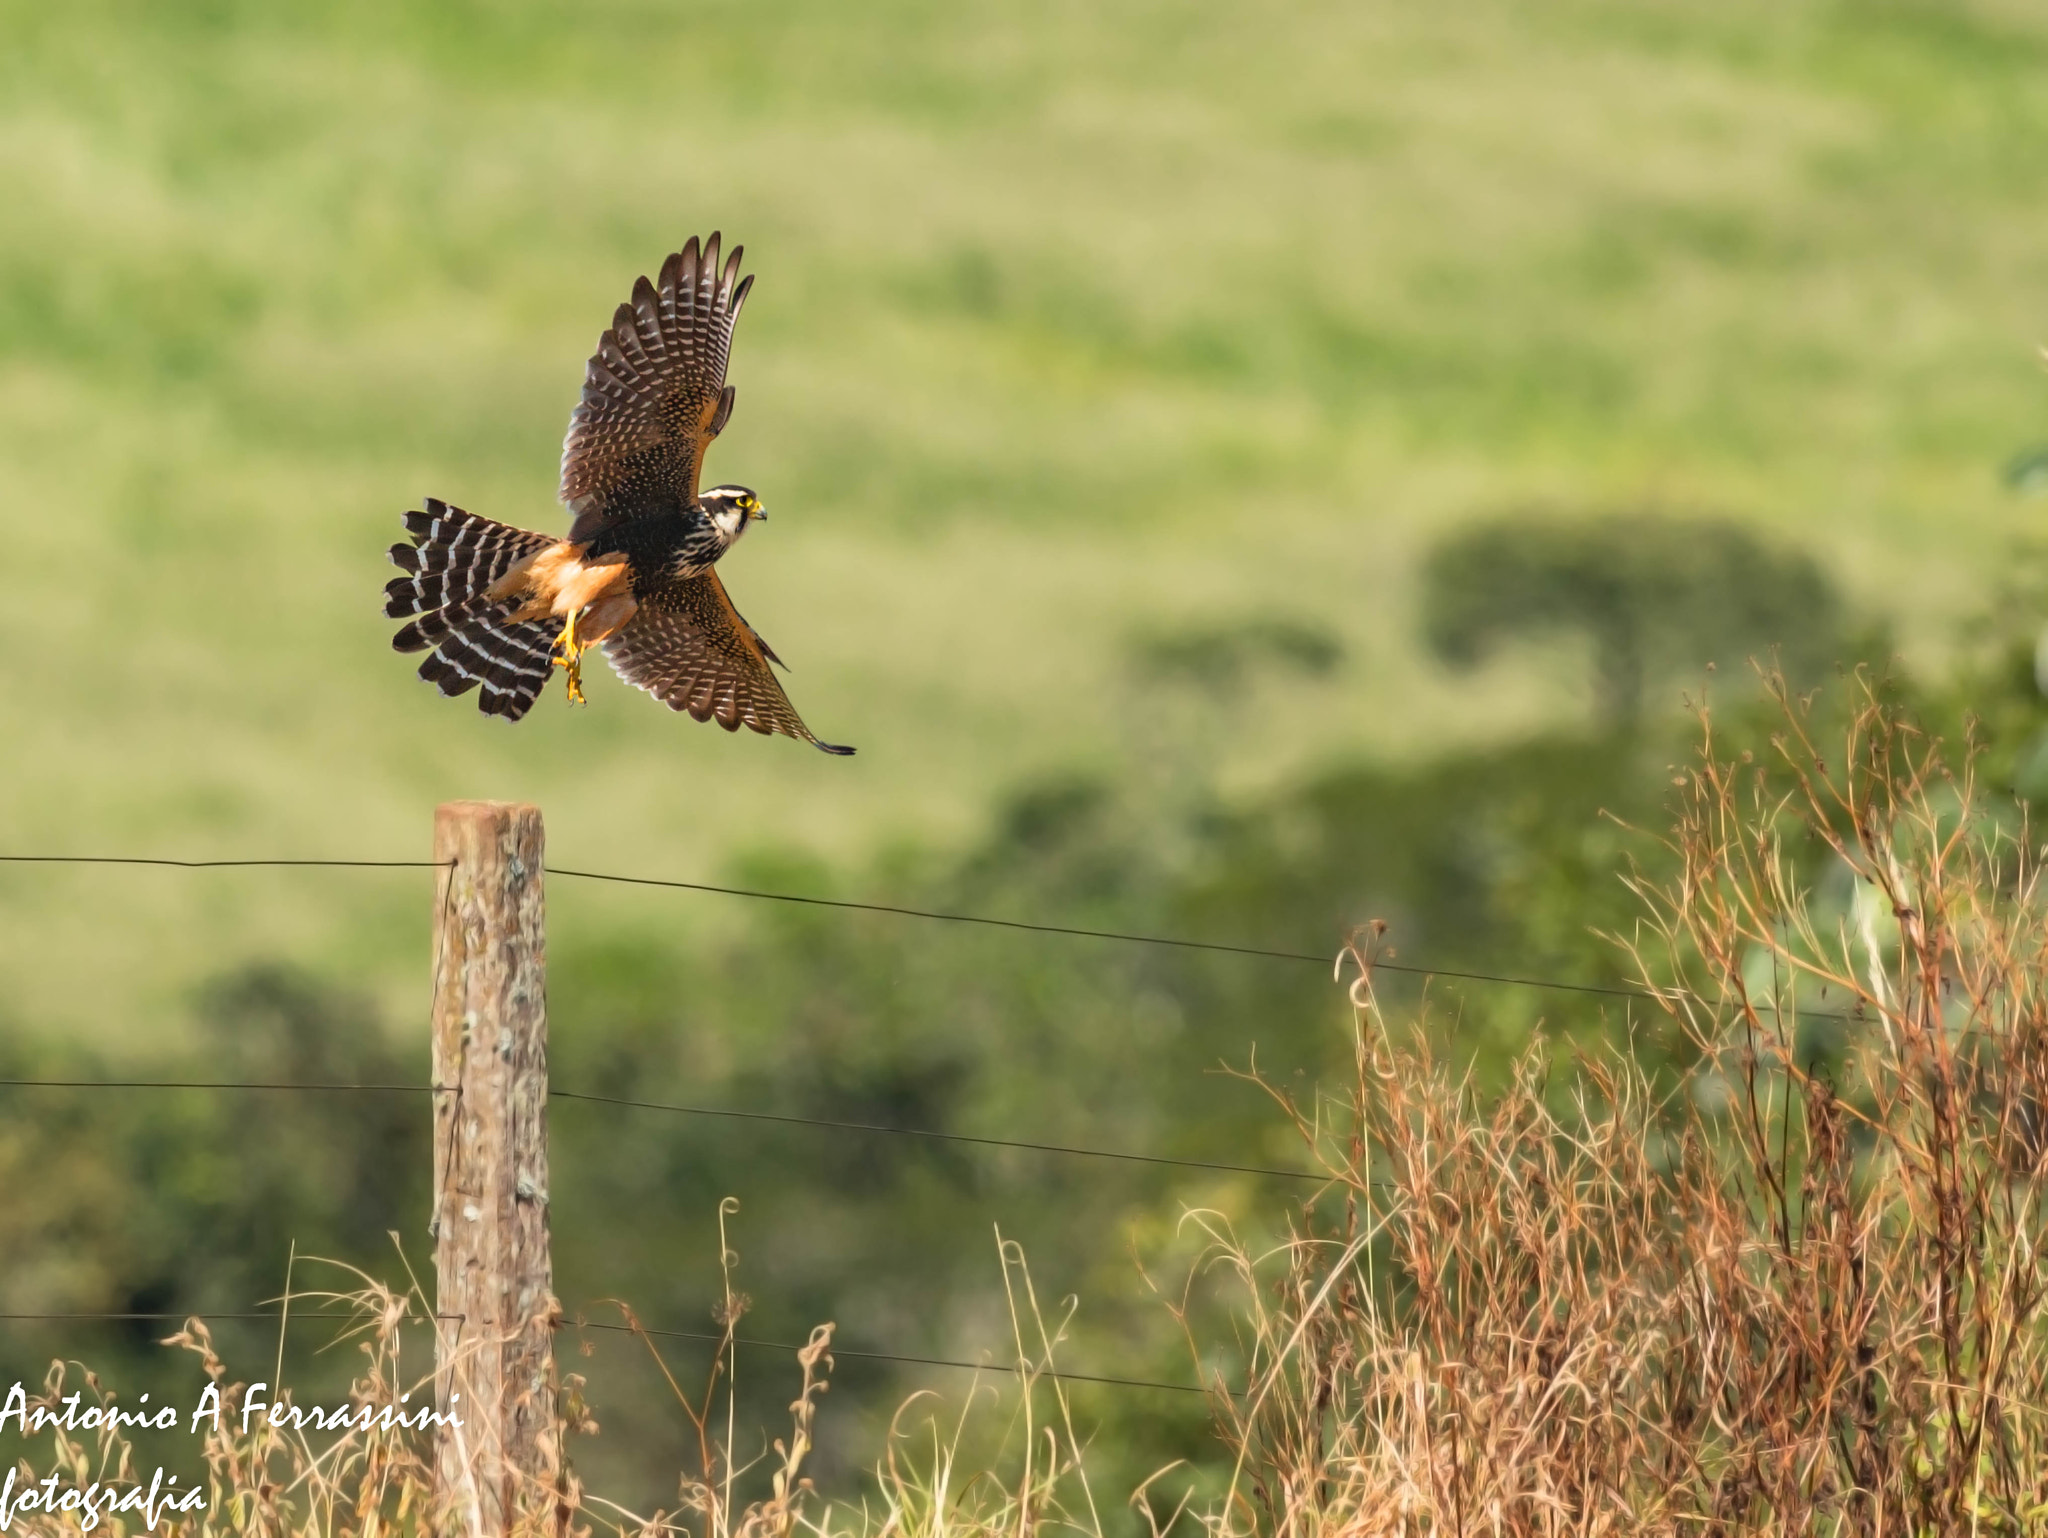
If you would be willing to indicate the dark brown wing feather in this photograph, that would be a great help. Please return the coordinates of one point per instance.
(688, 647)
(654, 392)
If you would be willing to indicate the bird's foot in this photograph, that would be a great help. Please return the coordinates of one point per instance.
(569, 656)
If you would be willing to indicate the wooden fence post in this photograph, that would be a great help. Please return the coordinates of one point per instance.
(494, 1278)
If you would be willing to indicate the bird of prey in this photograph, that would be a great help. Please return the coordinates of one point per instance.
(501, 607)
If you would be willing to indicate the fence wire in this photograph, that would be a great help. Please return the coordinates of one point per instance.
(827, 1123)
(935, 915)
(214, 1316)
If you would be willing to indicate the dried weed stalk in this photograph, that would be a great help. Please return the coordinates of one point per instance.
(378, 1481)
(375, 1479)
(707, 1506)
(1797, 1290)
(368, 1480)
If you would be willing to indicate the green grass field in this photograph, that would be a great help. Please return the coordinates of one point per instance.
(1072, 321)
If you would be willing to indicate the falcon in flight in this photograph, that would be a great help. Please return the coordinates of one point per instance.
(501, 607)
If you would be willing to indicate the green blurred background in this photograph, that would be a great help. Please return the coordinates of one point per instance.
(1236, 471)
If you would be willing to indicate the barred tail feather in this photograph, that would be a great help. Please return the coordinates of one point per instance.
(473, 644)
(454, 558)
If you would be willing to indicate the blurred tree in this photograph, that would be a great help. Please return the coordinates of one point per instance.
(1186, 688)
(2027, 471)
(1223, 658)
(168, 1201)
(1654, 597)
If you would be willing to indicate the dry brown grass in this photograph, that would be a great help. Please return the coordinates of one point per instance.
(263, 1480)
(1795, 1290)
(267, 1481)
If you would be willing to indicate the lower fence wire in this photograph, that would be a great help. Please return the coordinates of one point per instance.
(692, 1335)
(274, 1317)
(876, 1128)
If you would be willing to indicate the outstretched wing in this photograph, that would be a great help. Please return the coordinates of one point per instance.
(654, 392)
(688, 647)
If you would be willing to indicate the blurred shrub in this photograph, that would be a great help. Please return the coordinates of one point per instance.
(141, 1200)
(1655, 598)
(1224, 658)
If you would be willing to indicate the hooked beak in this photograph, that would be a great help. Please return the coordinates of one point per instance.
(757, 512)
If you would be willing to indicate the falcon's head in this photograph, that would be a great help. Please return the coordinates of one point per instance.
(731, 509)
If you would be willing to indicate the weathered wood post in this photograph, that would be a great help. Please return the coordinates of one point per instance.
(494, 1278)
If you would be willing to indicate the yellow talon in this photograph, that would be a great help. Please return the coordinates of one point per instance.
(571, 658)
